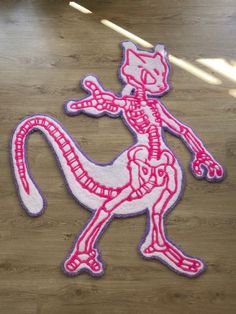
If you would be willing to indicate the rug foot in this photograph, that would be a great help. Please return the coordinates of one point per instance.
(174, 258)
(83, 261)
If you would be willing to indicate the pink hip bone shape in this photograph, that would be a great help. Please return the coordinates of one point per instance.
(149, 177)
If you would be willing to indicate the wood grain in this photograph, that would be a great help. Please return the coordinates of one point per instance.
(45, 48)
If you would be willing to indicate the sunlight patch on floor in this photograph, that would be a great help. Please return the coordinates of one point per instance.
(80, 8)
(126, 33)
(220, 66)
(232, 92)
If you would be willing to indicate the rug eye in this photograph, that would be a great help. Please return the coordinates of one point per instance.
(147, 77)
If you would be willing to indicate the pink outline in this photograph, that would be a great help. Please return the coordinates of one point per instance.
(153, 168)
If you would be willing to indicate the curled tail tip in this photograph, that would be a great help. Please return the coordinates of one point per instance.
(34, 209)
(33, 203)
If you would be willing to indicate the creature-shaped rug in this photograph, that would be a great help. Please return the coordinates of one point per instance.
(145, 178)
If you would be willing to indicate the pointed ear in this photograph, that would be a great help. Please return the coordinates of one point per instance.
(132, 58)
(161, 49)
(128, 45)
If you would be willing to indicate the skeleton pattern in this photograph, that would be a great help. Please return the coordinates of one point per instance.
(146, 177)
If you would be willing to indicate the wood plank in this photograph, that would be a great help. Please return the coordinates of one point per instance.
(45, 48)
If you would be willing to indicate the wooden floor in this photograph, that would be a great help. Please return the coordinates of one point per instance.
(45, 48)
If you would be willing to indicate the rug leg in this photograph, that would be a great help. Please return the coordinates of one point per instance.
(157, 245)
(84, 255)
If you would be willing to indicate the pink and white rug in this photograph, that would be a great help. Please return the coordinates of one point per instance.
(146, 178)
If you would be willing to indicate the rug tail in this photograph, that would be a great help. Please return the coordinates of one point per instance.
(71, 160)
(29, 193)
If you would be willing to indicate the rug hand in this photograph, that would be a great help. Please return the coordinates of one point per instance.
(214, 170)
(103, 100)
